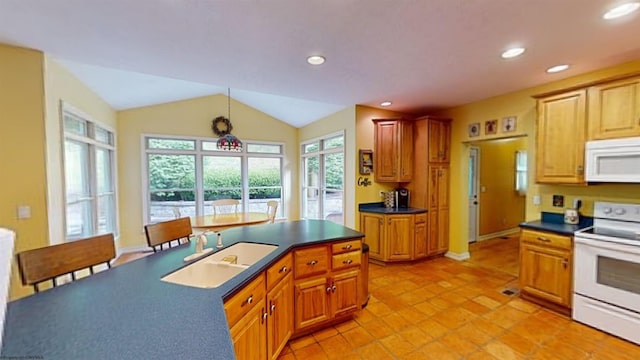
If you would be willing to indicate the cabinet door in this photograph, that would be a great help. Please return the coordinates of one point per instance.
(385, 155)
(405, 155)
(614, 109)
(280, 321)
(400, 236)
(344, 293)
(372, 226)
(561, 138)
(420, 236)
(439, 140)
(249, 334)
(546, 273)
(311, 302)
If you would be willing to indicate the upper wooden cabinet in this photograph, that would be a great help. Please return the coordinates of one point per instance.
(393, 150)
(561, 138)
(439, 140)
(614, 109)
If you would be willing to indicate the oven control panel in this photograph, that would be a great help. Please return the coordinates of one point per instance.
(616, 211)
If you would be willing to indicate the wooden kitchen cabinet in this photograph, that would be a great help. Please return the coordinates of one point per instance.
(439, 140)
(614, 109)
(326, 284)
(393, 150)
(546, 269)
(430, 187)
(395, 237)
(279, 306)
(246, 314)
(561, 137)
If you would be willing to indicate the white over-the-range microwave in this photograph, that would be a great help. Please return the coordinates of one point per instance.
(613, 160)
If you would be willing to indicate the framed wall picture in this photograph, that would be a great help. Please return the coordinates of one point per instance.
(491, 127)
(366, 161)
(474, 129)
(509, 124)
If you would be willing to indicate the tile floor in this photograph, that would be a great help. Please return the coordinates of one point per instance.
(501, 253)
(446, 309)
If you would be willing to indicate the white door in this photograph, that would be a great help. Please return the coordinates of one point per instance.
(473, 193)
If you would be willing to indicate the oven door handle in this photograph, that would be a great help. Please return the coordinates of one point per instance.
(613, 246)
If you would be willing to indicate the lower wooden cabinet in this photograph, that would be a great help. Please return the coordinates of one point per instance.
(396, 237)
(280, 321)
(546, 275)
(249, 334)
(327, 287)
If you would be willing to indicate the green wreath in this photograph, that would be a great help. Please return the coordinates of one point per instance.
(215, 126)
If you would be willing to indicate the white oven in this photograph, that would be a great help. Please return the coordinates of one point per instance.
(607, 271)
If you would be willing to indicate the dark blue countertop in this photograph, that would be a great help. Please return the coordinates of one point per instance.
(555, 223)
(129, 313)
(379, 208)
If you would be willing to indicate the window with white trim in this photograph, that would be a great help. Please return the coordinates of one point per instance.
(323, 178)
(184, 174)
(89, 176)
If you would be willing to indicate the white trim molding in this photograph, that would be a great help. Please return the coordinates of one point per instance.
(458, 256)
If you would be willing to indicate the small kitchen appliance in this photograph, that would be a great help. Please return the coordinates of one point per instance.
(402, 196)
(606, 267)
(572, 215)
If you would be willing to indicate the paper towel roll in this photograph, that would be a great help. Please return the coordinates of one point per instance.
(7, 238)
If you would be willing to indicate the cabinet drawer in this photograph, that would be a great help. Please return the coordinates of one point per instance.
(346, 246)
(245, 300)
(279, 270)
(311, 261)
(546, 239)
(346, 260)
(421, 218)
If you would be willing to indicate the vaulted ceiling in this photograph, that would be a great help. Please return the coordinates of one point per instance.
(422, 55)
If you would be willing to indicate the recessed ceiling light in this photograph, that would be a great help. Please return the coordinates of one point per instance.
(513, 52)
(621, 10)
(386, 103)
(557, 68)
(316, 60)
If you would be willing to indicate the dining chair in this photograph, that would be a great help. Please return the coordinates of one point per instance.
(49, 262)
(272, 209)
(166, 232)
(176, 212)
(225, 206)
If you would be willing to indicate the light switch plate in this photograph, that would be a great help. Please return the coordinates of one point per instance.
(24, 212)
(536, 200)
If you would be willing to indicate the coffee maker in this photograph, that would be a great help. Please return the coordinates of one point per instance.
(402, 197)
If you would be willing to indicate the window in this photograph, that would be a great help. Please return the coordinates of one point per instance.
(185, 174)
(89, 169)
(521, 172)
(323, 178)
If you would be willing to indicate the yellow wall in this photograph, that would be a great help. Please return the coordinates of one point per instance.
(522, 105)
(191, 117)
(342, 120)
(501, 207)
(61, 86)
(22, 151)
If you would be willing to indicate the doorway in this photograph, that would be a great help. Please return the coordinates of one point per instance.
(473, 193)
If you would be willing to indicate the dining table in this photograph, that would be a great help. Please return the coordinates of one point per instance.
(219, 222)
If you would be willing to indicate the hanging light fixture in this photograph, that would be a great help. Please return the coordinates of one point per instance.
(222, 127)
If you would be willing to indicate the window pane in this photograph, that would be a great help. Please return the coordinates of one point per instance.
(334, 170)
(79, 222)
(222, 179)
(334, 142)
(106, 214)
(333, 206)
(309, 148)
(171, 144)
(311, 171)
(172, 184)
(264, 148)
(103, 136)
(75, 125)
(103, 170)
(265, 182)
(76, 163)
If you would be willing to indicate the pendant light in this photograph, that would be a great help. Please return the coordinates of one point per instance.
(222, 128)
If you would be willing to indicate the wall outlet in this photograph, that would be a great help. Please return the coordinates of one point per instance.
(536, 200)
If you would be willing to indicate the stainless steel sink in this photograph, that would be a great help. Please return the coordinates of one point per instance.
(216, 269)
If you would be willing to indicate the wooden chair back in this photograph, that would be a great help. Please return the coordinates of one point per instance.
(47, 263)
(272, 210)
(165, 232)
(220, 205)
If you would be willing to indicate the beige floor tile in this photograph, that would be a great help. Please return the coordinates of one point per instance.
(311, 352)
(458, 343)
(358, 337)
(501, 350)
(416, 336)
(396, 345)
(374, 351)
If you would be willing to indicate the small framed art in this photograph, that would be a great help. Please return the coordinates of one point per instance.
(490, 127)
(509, 124)
(474, 129)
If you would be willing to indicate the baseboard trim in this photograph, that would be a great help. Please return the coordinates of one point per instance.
(458, 256)
(498, 234)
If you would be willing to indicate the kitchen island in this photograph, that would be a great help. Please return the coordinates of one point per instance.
(127, 312)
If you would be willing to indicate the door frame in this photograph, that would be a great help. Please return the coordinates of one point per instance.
(474, 152)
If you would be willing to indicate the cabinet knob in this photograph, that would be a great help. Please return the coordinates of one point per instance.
(283, 269)
(248, 301)
(264, 316)
(333, 288)
(348, 261)
(273, 308)
(328, 289)
(543, 239)
(312, 262)
(565, 263)
(348, 247)
(580, 170)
